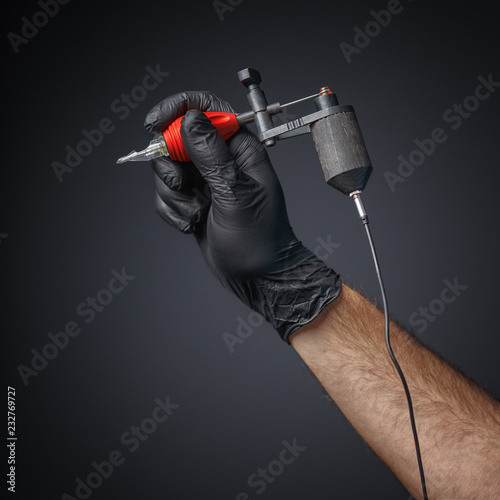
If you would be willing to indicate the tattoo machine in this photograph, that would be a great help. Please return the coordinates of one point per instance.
(345, 161)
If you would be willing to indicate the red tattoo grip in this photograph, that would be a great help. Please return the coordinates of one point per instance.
(225, 123)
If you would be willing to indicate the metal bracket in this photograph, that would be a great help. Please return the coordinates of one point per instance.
(301, 125)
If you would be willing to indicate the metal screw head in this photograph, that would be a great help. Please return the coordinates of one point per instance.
(249, 77)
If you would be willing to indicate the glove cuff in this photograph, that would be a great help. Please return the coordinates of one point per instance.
(293, 297)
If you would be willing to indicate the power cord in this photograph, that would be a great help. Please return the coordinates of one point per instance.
(356, 196)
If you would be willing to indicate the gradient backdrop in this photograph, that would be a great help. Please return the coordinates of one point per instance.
(162, 335)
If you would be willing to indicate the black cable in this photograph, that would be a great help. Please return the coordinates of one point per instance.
(393, 357)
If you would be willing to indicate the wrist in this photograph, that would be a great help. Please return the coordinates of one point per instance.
(320, 332)
(349, 333)
(297, 294)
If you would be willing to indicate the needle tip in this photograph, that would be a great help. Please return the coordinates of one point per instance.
(129, 157)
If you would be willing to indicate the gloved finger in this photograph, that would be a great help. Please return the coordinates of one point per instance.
(166, 111)
(212, 156)
(242, 181)
(183, 210)
(249, 154)
(176, 175)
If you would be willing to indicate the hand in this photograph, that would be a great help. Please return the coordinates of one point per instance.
(230, 197)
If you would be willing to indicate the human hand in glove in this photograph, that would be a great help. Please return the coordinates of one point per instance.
(230, 197)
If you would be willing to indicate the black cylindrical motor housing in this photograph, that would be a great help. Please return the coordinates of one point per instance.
(342, 151)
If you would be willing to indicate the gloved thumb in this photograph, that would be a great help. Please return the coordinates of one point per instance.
(211, 155)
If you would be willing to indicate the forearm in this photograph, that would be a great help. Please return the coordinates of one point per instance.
(457, 422)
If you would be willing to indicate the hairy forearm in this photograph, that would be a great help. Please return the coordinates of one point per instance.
(458, 423)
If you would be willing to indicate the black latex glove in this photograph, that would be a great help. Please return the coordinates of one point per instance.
(230, 197)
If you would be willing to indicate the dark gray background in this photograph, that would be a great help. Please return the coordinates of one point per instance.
(162, 336)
